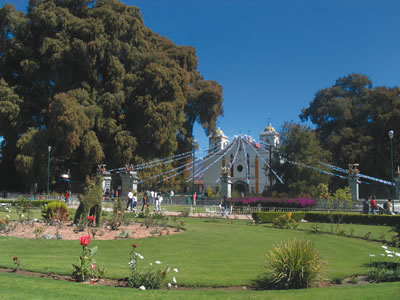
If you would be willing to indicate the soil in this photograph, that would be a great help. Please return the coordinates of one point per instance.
(37, 229)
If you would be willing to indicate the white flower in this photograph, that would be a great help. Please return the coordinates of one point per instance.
(22, 216)
(174, 279)
(170, 268)
(142, 288)
(390, 255)
(397, 254)
(131, 262)
(158, 262)
(139, 255)
(169, 285)
(151, 264)
(387, 251)
(384, 247)
(176, 270)
(372, 255)
(382, 254)
(7, 216)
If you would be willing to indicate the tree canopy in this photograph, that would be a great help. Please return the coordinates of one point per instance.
(352, 121)
(91, 80)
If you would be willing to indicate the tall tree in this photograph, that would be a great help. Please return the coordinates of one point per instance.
(300, 145)
(89, 79)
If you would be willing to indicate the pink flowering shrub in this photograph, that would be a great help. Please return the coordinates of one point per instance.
(274, 202)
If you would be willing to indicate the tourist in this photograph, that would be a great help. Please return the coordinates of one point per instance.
(388, 206)
(130, 201)
(373, 205)
(134, 201)
(194, 198)
(159, 199)
(144, 205)
(366, 206)
(224, 207)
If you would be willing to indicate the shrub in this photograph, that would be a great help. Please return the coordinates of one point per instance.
(270, 216)
(291, 265)
(274, 202)
(55, 210)
(352, 218)
(285, 221)
(384, 267)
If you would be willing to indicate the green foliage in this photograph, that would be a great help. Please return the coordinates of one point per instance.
(89, 79)
(22, 201)
(285, 221)
(270, 216)
(300, 144)
(55, 210)
(341, 199)
(91, 201)
(351, 218)
(352, 120)
(291, 265)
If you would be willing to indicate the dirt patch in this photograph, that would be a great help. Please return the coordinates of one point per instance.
(66, 231)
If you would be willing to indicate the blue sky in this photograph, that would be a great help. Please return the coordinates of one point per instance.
(271, 57)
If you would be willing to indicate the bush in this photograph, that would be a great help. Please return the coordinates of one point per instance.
(291, 265)
(270, 216)
(351, 218)
(55, 210)
(274, 202)
(20, 202)
(285, 221)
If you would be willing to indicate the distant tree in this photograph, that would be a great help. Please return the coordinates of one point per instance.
(352, 120)
(89, 79)
(300, 145)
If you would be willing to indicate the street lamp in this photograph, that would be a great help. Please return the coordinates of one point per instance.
(48, 169)
(391, 134)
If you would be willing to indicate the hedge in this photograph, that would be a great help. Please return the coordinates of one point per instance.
(269, 216)
(352, 218)
(32, 203)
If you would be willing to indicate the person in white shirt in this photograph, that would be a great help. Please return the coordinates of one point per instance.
(130, 201)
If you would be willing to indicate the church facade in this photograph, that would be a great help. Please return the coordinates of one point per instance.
(245, 160)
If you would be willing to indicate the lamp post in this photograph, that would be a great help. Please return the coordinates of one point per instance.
(391, 134)
(48, 169)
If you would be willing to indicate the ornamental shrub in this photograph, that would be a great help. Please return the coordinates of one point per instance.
(291, 265)
(55, 210)
(270, 216)
(285, 221)
(352, 218)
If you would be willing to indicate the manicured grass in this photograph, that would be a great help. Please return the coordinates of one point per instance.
(14, 286)
(377, 232)
(221, 253)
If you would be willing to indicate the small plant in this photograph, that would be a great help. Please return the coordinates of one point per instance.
(367, 236)
(337, 280)
(55, 210)
(38, 232)
(291, 265)
(285, 221)
(316, 228)
(179, 225)
(340, 231)
(152, 278)
(352, 231)
(386, 267)
(16, 263)
(354, 280)
(124, 234)
(87, 269)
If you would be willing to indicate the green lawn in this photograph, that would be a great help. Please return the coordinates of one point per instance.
(223, 253)
(14, 286)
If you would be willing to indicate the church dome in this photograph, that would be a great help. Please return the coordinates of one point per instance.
(219, 132)
(269, 128)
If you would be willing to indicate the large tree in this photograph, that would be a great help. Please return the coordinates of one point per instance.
(352, 120)
(300, 148)
(89, 79)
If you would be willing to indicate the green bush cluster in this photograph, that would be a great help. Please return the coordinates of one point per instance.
(20, 202)
(55, 210)
(291, 265)
(351, 218)
(285, 221)
(270, 216)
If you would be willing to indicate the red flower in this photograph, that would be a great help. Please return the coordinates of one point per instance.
(182, 221)
(85, 240)
(15, 258)
(87, 218)
(134, 245)
(92, 218)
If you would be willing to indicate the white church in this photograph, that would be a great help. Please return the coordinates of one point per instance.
(245, 160)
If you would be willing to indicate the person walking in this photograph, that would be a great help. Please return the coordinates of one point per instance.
(373, 205)
(130, 201)
(144, 205)
(134, 201)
